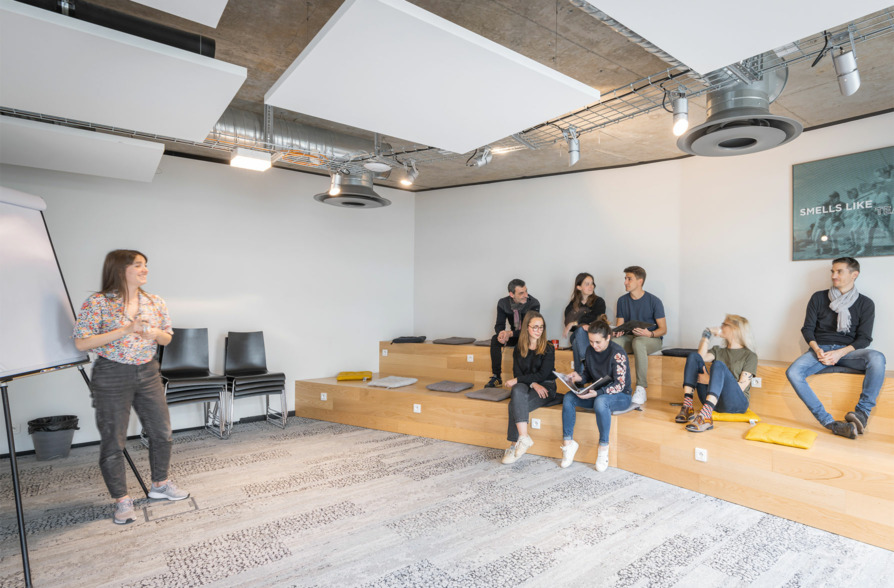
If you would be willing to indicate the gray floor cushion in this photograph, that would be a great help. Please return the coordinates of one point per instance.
(455, 341)
(492, 394)
(448, 386)
(482, 343)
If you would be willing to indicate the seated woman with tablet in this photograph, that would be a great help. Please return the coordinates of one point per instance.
(607, 365)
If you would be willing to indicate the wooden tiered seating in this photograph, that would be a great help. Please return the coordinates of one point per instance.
(840, 485)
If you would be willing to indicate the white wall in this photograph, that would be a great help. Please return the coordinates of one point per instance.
(471, 241)
(714, 235)
(737, 223)
(231, 250)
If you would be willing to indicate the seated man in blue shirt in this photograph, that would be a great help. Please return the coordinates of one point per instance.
(838, 330)
(639, 305)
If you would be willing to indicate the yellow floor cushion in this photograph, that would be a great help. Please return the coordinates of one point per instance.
(746, 416)
(800, 438)
(349, 376)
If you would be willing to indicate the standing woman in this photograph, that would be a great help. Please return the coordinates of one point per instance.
(729, 384)
(124, 326)
(604, 359)
(533, 384)
(583, 308)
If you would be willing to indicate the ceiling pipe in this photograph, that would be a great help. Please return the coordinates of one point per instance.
(132, 25)
(248, 129)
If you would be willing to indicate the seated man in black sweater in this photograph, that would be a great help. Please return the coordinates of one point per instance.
(838, 330)
(510, 309)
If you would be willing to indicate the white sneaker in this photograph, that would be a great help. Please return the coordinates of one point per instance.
(639, 395)
(509, 455)
(602, 458)
(522, 446)
(568, 452)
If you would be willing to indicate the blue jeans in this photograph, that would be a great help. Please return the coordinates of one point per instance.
(723, 385)
(603, 405)
(865, 360)
(580, 340)
(115, 388)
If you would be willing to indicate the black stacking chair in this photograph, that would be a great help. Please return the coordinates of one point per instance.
(245, 366)
(186, 378)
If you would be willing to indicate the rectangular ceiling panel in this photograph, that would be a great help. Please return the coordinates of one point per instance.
(707, 35)
(394, 68)
(206, 12)
(45, 146)
(56, 65)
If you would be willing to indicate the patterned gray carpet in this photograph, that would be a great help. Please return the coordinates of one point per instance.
(321, 504)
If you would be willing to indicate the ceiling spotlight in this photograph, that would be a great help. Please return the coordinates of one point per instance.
(848, 75)
(410, 174)
(573, 145)
(681, 115)
(481, 157)
(335, 184)
(251, 159)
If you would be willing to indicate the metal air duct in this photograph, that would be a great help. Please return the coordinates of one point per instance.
(739, 120)
(356, 192)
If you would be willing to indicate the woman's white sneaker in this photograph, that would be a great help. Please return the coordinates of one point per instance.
(568, 452)
(602, 458)
(509, 455)
(522, 446)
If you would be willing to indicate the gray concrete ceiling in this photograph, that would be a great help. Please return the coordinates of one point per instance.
(266, 36)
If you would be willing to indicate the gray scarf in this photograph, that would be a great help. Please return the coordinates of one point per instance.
(516, 313)
(841, 304)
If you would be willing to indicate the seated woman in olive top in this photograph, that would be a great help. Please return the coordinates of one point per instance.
(533, 384)
(728, 386)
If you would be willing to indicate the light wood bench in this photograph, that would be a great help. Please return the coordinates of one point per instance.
(840, 485)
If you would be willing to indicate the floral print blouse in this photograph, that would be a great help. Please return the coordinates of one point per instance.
(102, 313)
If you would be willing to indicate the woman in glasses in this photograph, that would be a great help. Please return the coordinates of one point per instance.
(728, 385)
(533, 384)
(607, 365)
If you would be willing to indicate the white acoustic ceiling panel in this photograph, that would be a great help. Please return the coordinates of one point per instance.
(47, 146)
(707, 35)
(56, 65)
(206, 12)
(391, 67)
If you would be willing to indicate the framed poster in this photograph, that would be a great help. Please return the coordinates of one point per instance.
(842, 206)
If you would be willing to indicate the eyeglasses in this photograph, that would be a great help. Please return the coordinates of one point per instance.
(535, 327)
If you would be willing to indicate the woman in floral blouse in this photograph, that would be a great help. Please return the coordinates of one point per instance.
(124, 325)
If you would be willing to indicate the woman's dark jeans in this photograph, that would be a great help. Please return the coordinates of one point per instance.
(115, 387)
(523, 401)
(723, 384)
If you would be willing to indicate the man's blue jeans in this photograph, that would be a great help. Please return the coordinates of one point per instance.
(870, 361)
(723, 385)
(603, 405)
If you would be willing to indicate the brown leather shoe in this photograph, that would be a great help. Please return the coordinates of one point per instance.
(700, 424)
(685, 415)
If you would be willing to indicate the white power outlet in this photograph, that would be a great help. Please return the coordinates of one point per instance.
(701, 454)
(535, 423)
(384, 353)
(323, 396)
(470, 358)
(755, 382)
(417, 408)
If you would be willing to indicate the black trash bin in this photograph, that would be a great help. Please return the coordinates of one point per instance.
(52, 436)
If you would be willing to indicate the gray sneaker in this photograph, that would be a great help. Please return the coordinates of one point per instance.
(169, 492)
(124, 512)
(859, 419)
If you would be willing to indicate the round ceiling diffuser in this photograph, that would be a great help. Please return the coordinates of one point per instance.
(356, 192)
